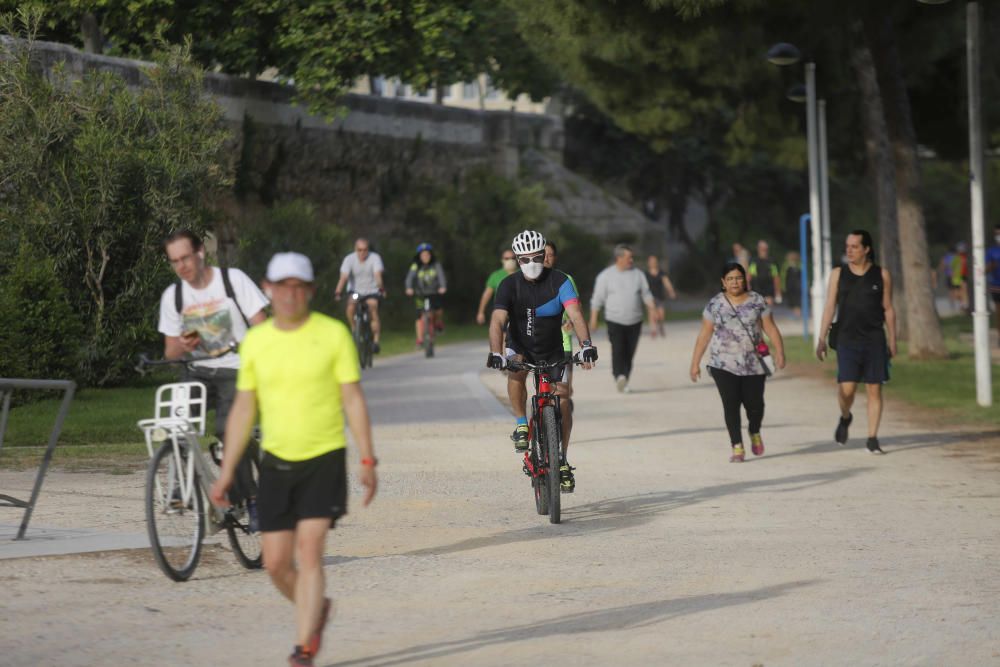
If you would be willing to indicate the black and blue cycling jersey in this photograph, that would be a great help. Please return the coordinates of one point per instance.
(535, 310)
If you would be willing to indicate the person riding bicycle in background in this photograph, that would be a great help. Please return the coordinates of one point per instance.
(300, 371)
(208, 310)
(508, 266)
(533, 302)
(362, 271)
(426, 280)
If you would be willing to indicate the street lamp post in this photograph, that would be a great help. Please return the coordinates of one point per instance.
(980, 313)
(787, 54)
(824, 198)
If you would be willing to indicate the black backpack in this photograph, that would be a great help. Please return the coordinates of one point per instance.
(179, 295)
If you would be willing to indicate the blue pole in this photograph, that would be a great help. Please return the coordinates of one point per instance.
(804, 252)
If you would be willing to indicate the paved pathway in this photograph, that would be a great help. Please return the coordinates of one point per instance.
(813, 554)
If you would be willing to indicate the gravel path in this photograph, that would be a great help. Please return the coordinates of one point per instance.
(811, 555)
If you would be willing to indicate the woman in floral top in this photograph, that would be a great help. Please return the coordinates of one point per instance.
(732, 322)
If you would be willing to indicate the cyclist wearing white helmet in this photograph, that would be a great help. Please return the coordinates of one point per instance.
(533, 301)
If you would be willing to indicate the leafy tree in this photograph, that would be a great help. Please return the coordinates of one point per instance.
(323, 47)
(93, 175)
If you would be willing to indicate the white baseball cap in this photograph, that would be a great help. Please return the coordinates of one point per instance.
(289, 265)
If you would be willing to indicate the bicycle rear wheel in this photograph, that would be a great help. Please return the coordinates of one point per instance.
(176, 529)
(245, 542)
(552, 449)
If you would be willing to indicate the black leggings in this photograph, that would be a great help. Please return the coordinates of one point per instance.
(736, 390)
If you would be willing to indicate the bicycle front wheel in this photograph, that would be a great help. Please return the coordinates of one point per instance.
(552, 450)
(538, 482)
(176, 528)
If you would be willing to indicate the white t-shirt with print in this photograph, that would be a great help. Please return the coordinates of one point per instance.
(362, 274)
(212, 314)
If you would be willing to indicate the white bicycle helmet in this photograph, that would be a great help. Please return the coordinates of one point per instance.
(528, 242)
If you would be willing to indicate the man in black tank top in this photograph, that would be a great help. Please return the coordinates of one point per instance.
(860, 292)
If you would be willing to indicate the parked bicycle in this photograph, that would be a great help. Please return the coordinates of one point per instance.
(364, 339)
(179, 477)
(541, 461)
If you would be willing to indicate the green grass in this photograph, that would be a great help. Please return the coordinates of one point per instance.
(946, 385)
(101, 422)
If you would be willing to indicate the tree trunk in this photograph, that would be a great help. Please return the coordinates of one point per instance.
(925, 340)
(881, 169)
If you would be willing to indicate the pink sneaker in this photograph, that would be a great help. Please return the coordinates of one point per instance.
(738, 454)
(756, 444)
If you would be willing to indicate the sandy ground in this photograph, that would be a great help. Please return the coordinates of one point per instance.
(811, 555)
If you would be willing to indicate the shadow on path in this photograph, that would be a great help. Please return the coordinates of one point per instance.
(891, 444)
(613, 619)
(664, 434)
(619, 513)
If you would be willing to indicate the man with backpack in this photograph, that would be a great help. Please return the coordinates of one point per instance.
(206, 312)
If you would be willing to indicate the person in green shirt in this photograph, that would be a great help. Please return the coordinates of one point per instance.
(300, 369)
(509, 266)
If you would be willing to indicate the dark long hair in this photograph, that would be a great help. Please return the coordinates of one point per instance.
(416, 259)
(728, 268)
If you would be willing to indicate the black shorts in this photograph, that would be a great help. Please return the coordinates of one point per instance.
(996, 296)
(292, 490)
(437, 302)
(866, 361)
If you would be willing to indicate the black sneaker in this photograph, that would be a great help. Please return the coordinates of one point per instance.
(841, 435)
(520, 438)
(873, 447)
(376, 348)
(567, 482)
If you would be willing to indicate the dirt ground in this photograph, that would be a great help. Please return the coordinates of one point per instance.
(813, 554)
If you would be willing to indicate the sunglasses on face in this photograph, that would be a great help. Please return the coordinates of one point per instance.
(528, 259)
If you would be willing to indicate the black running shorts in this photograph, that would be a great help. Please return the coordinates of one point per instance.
(294, 490)
(866, 362)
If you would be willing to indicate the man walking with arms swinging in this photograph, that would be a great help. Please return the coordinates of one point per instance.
(861, 293)
(300, 369)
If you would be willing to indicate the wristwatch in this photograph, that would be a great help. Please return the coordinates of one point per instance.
(586, 343)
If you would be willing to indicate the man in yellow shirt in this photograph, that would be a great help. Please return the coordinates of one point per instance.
(300, 369)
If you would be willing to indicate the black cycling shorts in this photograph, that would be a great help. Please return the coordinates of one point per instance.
(437, 302)
(293, 490)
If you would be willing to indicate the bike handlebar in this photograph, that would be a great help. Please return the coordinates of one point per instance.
(144, 363)
(544, 365)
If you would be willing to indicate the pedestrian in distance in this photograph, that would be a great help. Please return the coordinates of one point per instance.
(765, 278)
(661, 288)
(508, 265)
(864, 335)
(793, 283)
(739, 359)
(622, 291)
(300, 371)
(993, 274)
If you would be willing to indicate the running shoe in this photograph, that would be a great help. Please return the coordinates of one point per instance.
(738, 454)
(316, 638)
(376, 348)
(621, 382)
(567, 482)
(873, 447)
(301, 657)
(520, 438)
(756, 444)
(420, 342)
(841, 435)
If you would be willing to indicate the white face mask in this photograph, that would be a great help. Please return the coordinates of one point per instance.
(510, 265)
(532, 270)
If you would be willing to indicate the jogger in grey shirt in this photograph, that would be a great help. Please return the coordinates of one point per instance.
(622, 291)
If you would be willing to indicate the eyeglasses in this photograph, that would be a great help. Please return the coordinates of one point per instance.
(528, 259)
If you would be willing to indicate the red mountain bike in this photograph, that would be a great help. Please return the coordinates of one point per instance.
(541, 461)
